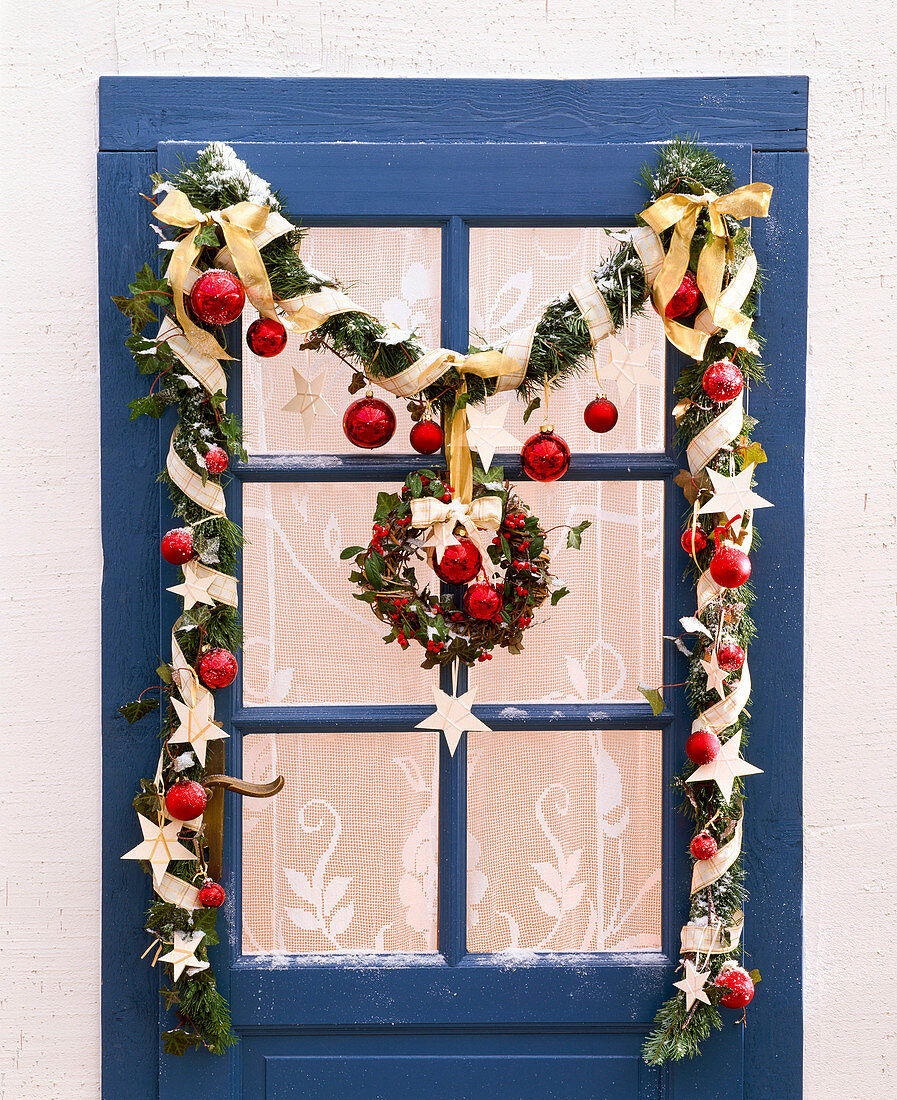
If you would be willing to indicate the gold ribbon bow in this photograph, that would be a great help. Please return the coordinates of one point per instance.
(238, 223)
(484, 514)
(681, 211)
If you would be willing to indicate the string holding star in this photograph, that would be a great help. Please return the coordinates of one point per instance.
(309, 400)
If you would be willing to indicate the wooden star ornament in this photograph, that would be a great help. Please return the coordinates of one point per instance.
(182, 953)
(733, 496)
(453, 716)
(159, 846)
(487, 432)
(195, 587)
(196, 727)
(693, 985)
(725, 767)
(309, 399)
(628, 367)
(716, 676)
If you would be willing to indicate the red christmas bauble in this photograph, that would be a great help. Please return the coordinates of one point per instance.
(703, 846)
(702, 747)
(369, 423)
(730, 657)
(723, 381)
(426, 437)
(685, 301)
(217, 297)
(217, 668)
(177, 545)
(266, 337)
(186, 799)
(211, 895)
(216, 460)
(740, 985)
(482, 601)
(730, 567)
(545, 456)
(699, 541)
(600, 415)
(460, 563)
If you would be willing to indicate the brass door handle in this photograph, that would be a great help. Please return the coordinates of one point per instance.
(213, 817)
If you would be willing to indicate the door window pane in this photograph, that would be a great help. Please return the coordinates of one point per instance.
(344, 858)
(395, 274)
(564, 841)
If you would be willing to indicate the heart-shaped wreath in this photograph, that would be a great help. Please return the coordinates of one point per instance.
(494, 545)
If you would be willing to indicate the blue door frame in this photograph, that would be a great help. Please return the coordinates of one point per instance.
(143, 119)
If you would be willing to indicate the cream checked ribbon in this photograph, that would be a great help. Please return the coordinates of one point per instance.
(484, 514)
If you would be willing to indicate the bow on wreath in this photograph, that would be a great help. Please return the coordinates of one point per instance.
(238, 224)
(724, 306)
(484, 514)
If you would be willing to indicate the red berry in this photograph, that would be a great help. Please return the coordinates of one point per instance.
(460, 563)
(703, 846)
(217, 668)
(723, 381)
(730, 656)
(217, 297)
(211, 895)
(426, 437)
(740, 985)
(266, 337)
(702, 747)
(186, 799)
(482, 601)
(177, 545)
(600, 415)
(730, 567)
(685, 301)
(699, 541)
(215, 459)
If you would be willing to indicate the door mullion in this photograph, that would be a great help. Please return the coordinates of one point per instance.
(453, 769)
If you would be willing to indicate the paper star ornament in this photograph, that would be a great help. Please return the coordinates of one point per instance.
(487, 432)
(309, 399)
(159, 846)
(194, 588)
(627, 367)
(453, 716)
(733, 496)
(183, 955)
(693, 984)
(716, 676)
(196, 727)
(725, 768)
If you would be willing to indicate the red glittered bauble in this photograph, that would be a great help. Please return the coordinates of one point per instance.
(600, 415)
(482, 601)
(186, 799)
(426, 437)
(740, 986)
(545, 457)
(723, 381)
(703, 846)
(266, 337)
(217, 668)
(696, 543)
(211, 895)
(177, 545)
(702, 747)
(730, 657)
(460, 563)
(730, 567)
(216, 460)
(217, 297)
(685, 301)
(369, 423)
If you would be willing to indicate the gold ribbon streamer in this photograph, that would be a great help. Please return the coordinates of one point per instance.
(682, 211)
(719, 433)
(206, 370)
(484, 514)
(209, 495)
(711, 939)
(707, 871)
(238, 224)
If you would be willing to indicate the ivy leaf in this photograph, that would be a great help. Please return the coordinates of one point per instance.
(752, 453)
(178, 1041)
(531, 408)
(230, 427)
(351, 552)
(138, 709)
(164, 673)
(153, 405)
(138, 310)
(653, 696)
(358, 382)
(679, 644)
(149, 285)
(373, 571)
(170, 997)
(755, 976)
(207, 236)
(558, 594)
(574, 535)
(150, 357)
(460, 402)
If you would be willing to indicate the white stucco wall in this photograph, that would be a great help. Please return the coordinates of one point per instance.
(51, 762)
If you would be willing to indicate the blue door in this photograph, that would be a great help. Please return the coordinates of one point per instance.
(421, 969)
